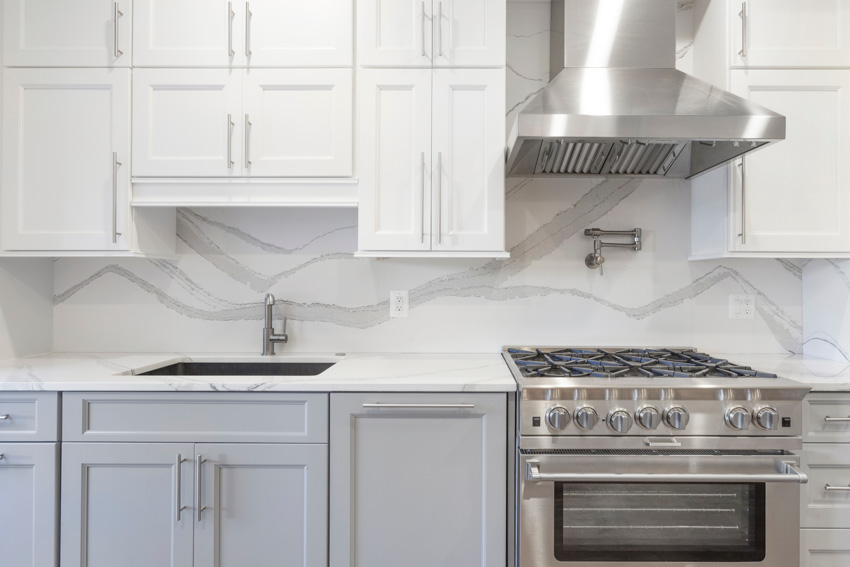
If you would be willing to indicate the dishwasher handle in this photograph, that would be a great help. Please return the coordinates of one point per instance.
(791, 474)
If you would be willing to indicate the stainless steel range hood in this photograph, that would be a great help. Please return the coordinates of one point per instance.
(617, 107)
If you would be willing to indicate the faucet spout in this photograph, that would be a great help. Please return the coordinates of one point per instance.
(269, 336)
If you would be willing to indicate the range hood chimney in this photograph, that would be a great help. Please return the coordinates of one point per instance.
(618, 107)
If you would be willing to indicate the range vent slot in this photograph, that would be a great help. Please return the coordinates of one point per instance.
(645, 158)
(575, 157)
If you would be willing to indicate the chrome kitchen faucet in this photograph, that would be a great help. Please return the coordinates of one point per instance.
(269, 336)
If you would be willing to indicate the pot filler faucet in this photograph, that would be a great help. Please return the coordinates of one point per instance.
(595, 259)
(269, 337)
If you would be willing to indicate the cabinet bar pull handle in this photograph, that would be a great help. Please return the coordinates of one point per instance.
(2, 456)
(440, 26)
(743, 13)
(743, 233)
(116, 13)
(422, 175)
(248, 14)
(229, 141)
(419, 406)
(247, 141)
(827, 418)
(179, 473)
(4, 417)
(423, 28)
(439, 197)
(201, 461)
(115, 164)
(230, 14)
(839, 488)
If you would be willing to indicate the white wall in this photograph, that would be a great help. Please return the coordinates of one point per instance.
(208, 299)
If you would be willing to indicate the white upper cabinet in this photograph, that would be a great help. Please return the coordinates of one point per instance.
(187, 33)
(66, 152)
(438, 33)
(468, 184)
(256, 33)
(394, 163)
(298, 123)
(794, 196)
(298, 33)
(790, 33)
(187, 123)
(63, 33)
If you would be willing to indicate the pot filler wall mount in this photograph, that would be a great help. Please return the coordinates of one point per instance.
(618, 107)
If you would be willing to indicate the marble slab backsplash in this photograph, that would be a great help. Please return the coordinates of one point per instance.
(826, 300)
(209, 298)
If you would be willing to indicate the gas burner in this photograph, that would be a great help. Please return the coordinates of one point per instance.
(628, 362)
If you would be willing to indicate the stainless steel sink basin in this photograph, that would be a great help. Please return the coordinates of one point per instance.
(240, 369)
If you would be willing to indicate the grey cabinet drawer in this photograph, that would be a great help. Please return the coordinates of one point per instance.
(824, 548)
(29, 416)
(205, 417)
(826, 464)
(826, 418)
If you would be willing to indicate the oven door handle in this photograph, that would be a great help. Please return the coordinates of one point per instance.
(791, 474)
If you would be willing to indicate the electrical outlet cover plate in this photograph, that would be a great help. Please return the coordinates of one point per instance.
(742, 306)
(398, 304)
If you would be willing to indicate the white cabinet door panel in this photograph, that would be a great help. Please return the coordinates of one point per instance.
(298, 123)
(63, 33)
(187, 33)
(28, 492)
(797, 191)
(120, 505)
(263, 505)
(295, 33)
(180, 123)
(826, 464)
(468, 184)
(469, 33)
(394, 159)
(791, 33)
(394, 33)
(61, 190)
(825, 548)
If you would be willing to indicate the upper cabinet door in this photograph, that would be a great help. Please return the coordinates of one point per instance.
(298, 123)
(469, 172)
(62, 33)
(66, 158)
(790, 33)
(394, 159)
(469, 33)
(188, 33)
(394, 33)
(297, 33)
(187, 123)
(792, 196)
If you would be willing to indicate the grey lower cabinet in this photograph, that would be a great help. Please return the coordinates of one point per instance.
(201, 504)
(418, 480)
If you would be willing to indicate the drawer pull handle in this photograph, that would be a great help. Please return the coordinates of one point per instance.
(179, 473)
(201, 508)
(828, 419)
(419, 406)
(2, 456)
(5, 417)
(839, 488)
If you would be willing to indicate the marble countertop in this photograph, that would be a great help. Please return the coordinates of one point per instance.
(821, 374)
(351, 373)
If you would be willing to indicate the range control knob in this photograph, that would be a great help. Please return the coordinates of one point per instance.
(677, 417)
(586, 417)
(620, 421)
(767, 418)
(648, 417)
(557, 417)
(738, 418)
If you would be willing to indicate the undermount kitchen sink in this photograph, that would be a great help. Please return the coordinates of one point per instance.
(240, 369)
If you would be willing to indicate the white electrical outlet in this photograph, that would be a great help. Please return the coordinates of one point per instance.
(398, 304)
(742, 306)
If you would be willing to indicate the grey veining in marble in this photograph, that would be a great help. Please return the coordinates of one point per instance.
(826, 300)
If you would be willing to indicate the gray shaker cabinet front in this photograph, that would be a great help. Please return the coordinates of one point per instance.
(418, 480)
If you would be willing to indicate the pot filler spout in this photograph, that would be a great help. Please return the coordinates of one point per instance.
(618, 107)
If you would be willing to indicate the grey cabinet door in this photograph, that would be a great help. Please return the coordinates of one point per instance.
(120, 505)
(418, 480)
(262, 505)
(28, 491)
(827, 465)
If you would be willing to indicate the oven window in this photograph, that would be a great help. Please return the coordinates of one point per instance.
(659, 522)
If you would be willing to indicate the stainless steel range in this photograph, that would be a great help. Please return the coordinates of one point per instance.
(635, 457)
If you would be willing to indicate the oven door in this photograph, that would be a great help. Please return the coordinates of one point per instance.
(680, 508)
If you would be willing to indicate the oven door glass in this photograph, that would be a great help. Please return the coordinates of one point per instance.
(674, 522)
